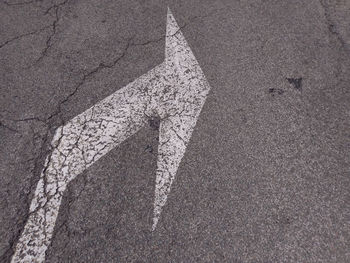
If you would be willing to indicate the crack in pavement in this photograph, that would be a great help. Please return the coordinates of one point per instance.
(332, 27)
(21, 3)
(56, 8)
(24, 35)
(52, 25)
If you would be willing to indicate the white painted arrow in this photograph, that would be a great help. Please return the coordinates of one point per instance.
(174, 91)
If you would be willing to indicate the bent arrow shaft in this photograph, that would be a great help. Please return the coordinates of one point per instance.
(76, 146)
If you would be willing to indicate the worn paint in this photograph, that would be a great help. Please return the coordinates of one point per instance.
(174, 91)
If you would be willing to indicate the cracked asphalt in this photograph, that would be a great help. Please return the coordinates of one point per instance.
(265, 177)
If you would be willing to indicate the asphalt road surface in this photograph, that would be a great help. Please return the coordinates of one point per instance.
(258, 170)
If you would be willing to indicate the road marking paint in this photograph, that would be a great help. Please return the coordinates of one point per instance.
(174, 91)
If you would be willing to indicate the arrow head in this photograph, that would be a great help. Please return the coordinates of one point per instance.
(188, 91)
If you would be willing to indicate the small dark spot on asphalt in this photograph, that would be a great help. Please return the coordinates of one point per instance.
(154, 123)
(103, 21)
(296, 82)
(284, 220)
(242, 115)
(149, 148)
(274, 91)
(332, 28)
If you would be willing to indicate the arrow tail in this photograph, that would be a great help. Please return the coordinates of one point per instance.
(76, 146)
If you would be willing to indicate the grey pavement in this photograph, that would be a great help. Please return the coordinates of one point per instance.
(266, 174)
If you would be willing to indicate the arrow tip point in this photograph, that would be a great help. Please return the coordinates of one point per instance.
(172, 26)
